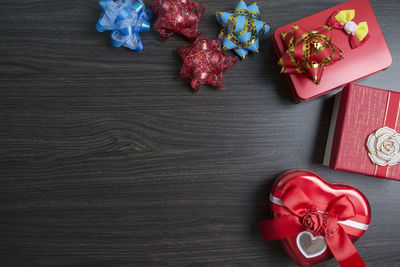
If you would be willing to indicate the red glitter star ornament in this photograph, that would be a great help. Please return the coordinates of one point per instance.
(177, 16)
(204, 63)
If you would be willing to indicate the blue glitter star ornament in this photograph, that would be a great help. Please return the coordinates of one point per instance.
(242, 28)
(125, 19)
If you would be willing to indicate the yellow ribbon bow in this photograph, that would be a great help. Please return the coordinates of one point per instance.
(346, 17)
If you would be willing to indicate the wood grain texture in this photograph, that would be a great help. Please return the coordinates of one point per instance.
(106, 158)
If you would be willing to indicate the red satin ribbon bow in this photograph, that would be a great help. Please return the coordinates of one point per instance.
(343, 20)
(309, 52)
(305, 216)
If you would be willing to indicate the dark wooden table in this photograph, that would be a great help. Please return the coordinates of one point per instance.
(106, 158)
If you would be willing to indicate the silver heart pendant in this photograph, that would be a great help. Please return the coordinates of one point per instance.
(310, 246)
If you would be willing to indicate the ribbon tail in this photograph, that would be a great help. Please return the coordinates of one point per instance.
(343, 250)
(280, 227)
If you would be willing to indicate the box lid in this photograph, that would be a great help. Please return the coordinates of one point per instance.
(358, 63)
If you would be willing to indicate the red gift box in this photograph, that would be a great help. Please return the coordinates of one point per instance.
(364, 137)
(316, 220)
(370, 57)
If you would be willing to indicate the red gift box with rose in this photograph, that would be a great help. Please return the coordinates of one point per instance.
(330, 49)
(365, 132)
(316, 220)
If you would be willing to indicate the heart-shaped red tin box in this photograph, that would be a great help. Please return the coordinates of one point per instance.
(316, 220)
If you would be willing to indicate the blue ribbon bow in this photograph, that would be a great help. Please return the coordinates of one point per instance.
(126, 19)
(242, 29)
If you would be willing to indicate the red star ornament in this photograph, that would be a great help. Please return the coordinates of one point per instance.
(177, 16)
(204, 63)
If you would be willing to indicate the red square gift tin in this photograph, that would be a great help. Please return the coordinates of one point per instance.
(330, 49)
(365, 132)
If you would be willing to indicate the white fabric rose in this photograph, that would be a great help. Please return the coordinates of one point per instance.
(350, 27)
(384, 147)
